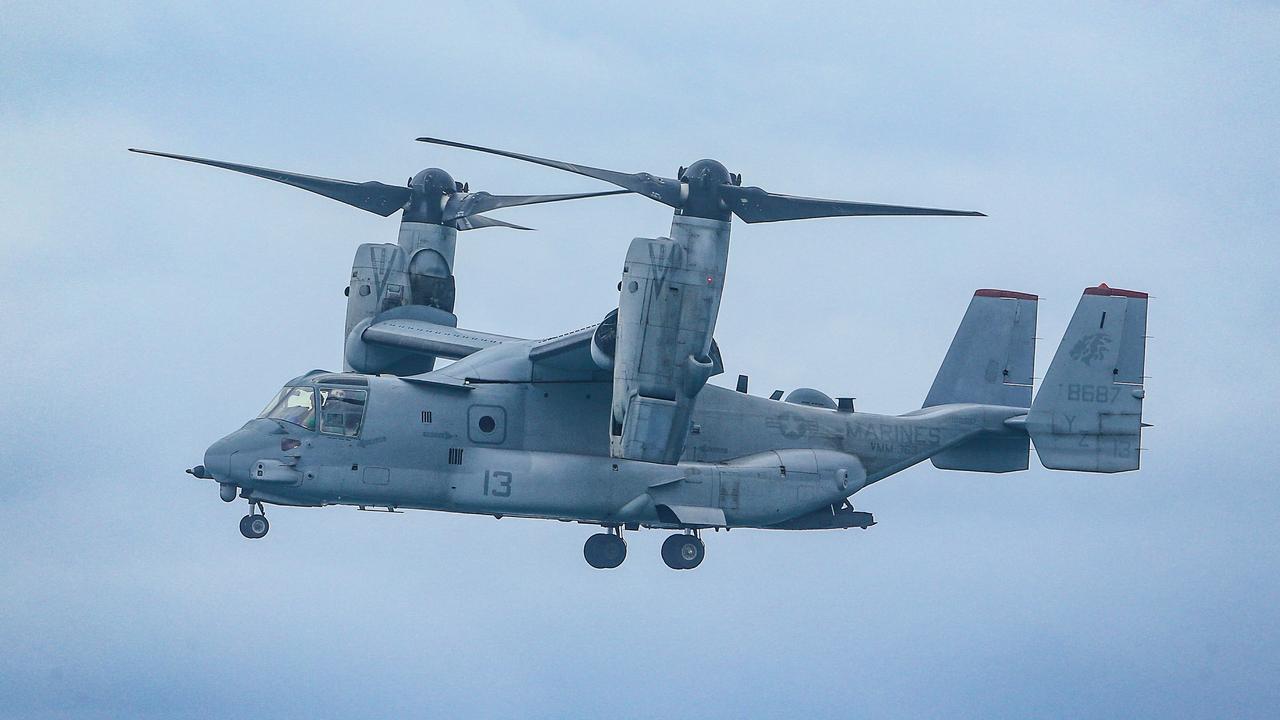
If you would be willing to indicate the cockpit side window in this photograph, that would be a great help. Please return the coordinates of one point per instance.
(294, 405)
(342, 411)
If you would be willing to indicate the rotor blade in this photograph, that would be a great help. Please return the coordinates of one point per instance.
(374, 197)
(472, 203)
(755, 205)
(664, 190)
(476, 222)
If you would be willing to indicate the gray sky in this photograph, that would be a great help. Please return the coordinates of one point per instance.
(151, 306)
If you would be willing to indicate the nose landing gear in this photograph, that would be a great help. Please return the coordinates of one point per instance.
(684, 551)
(254, 525)
(605, 550)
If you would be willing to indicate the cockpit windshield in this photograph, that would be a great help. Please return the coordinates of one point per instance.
(341, 410)
(294, 405)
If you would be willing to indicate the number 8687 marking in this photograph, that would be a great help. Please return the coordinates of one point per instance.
(1092, 393)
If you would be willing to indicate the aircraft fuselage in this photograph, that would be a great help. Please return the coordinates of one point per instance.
(541, 449)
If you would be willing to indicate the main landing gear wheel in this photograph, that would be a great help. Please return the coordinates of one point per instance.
(605, 550)
(683, 552)
(254, 525)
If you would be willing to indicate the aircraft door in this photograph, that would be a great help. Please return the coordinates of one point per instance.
(340, 422)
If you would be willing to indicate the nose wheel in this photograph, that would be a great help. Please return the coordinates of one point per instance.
(605, 550)
(254, 525)
(684, 551)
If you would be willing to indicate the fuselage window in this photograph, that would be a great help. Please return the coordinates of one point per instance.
(342, 411)
(294, 405)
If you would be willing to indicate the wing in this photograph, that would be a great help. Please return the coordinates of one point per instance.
(428, 338)
(432, 332)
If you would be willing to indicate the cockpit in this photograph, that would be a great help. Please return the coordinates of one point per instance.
(340, 410)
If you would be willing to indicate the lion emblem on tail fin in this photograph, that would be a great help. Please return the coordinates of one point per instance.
(1091, 347)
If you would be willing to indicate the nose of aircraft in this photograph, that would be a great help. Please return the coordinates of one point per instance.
(217, 459)
(228, 459)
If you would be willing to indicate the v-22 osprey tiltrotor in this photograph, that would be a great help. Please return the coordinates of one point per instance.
(615, 424)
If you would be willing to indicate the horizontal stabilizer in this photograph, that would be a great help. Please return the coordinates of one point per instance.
(1088, 413)
(987, 453)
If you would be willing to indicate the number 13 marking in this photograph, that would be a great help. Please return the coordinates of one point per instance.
(497, 483)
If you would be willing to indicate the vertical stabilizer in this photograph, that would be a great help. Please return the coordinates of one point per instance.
(990, 362)
(1088, 413)
(992, 357)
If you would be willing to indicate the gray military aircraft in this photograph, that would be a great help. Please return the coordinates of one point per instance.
(533, 428)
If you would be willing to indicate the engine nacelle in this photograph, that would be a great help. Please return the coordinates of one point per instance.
(604, 343)
(667, 310)
(379, 282)
(429, 249)
(414, 275)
